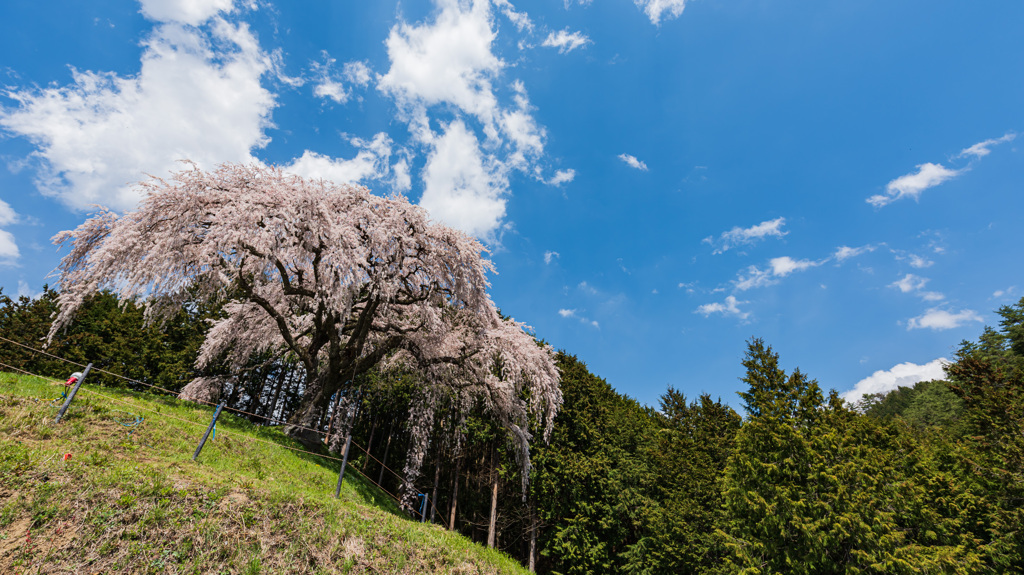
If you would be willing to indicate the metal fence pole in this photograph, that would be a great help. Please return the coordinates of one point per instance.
(213, 422)
(71, 395)
(344, 462)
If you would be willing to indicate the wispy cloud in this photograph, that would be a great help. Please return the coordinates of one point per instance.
(845, 252)
(919, 262)
(562, 177)
(565, 41)
(753, 277)
(981, 149)
(657, 9)
(939, 319)
(521, 20)
(633, 162)
(738, 236)
(730, 307)
(572, 313)
(912, 185)
(550, 256)
(782, 267)
(911, 283)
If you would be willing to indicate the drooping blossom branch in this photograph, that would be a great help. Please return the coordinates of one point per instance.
(332, 275)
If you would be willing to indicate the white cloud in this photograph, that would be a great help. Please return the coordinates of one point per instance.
(9, 252)
(738, 236)
(459, 187)
(585, 287)
(358, 73)
(782, 267)
(919, 262)
(845, 252)
(633, 162)
(196, 96)
(7, 214)
(571, 313)
(562, 177)
(755, 278)
(981, 149)
(521, 20)
(565, 41)
(328, 88)
(192, 12)
(655, 9)
(448, 61)
(729, 307)
(370, 163)
(939, 319)
(522, 130)
(909, 283)
(549, 256)
(901, 375)
(911, 185)
(328, 82)
(1009, 292)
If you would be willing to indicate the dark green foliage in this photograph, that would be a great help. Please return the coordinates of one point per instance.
(815, 488)
(989, 377)
(589, 482)
(928, 478)
(112, 336)
(928, 405)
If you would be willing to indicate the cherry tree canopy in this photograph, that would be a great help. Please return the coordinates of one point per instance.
(330, 274)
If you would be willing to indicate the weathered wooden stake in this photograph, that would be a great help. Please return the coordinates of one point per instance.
(71, 395)
(344, 462)
(213, 422)
(423, 511)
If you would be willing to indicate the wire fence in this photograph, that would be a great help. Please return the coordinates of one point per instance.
(244, 437)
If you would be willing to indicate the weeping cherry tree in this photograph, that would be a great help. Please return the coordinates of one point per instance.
(332, 275)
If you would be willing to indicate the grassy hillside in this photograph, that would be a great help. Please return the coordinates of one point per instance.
(129, 499)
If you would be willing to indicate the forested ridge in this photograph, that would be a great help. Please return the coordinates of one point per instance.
(928, 478)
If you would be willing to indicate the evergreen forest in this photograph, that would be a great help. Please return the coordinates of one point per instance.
(924, 479)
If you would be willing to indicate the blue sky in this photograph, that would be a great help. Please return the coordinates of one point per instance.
(658, 180)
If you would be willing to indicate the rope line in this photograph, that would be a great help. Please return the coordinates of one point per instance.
(203, 402)
(137, 420)
(211, 404)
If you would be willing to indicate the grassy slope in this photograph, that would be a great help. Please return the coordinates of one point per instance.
(136, 503)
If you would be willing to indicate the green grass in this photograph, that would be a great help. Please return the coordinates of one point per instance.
(131, 500)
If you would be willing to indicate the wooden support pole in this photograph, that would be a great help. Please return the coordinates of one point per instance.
(213, 423)
(344, 462)
(74, 390)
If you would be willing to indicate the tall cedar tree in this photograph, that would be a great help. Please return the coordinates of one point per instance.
(813, 487)
(989, 377)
